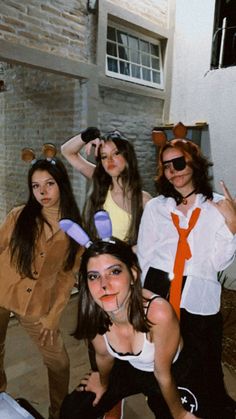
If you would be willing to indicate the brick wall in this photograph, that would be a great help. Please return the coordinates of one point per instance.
(40, 107)
(56, 27)
(135, 116)
(37, 107)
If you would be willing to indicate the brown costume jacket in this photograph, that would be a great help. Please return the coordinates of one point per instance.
(47, 294)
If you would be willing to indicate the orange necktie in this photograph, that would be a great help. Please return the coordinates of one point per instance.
(183, 252)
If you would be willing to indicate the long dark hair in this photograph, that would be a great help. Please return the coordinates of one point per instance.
(30, 221)
(197, 161)
(131, 182)
(92, 319)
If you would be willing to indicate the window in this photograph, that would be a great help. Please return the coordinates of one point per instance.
(135, 59)
(224, 38)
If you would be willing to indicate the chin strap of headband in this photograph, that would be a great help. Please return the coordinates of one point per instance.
(75, 231)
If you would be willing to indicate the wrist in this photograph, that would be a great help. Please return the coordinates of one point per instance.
(84, 139)
(90, 134)
(104, 380)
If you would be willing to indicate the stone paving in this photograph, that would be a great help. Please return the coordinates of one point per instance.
(27, 376)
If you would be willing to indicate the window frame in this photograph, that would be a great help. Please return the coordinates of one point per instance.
(139, 37)
(224, 36)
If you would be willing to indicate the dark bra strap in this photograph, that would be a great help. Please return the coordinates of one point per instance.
(149, 303)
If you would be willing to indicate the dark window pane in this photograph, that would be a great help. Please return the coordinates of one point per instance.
(133, 42)
(123, 53)
(230, 47)
(155, 50)
(134, 56)
(156, 77)
(124, 68)
(146, 74)
(136, 71)
(131, 56)
(111, 33)
(145, 60)
(144, 46)
(155, 63)
(112, 65)
(111, 49)
(122, 38)
(224, 53)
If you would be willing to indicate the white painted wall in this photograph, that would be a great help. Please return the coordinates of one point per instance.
(201, 94)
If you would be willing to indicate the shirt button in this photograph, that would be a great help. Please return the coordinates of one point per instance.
(42, 254)
(171, 276)
(29, 289)
(35, 273)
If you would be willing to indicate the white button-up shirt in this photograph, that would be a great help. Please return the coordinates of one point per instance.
(212, 245)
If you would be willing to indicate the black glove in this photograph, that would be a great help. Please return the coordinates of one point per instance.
(90, 134)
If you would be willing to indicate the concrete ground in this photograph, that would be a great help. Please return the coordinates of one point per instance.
(27, 376)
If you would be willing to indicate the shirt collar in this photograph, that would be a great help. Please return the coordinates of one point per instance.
(172, 207)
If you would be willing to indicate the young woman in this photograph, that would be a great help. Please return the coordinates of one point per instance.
(187, 235)
(136, 338)
(116, 187)
(115, 177)
(38, 265)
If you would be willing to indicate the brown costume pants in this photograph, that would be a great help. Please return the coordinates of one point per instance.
(55, 358)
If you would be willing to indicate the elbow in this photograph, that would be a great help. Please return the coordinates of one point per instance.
(63, 152)
(222, 265)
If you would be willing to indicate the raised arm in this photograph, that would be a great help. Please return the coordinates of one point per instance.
(166, 337)
(71, 150)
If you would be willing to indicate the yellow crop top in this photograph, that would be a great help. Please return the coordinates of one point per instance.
(120, 218)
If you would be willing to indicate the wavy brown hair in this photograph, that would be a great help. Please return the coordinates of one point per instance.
(196, 160)
(131, 182)
(92, 319)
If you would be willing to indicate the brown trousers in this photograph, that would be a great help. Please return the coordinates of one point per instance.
(55, 358)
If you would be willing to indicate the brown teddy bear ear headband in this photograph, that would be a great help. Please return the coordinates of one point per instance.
(49, 151)
(160, 139)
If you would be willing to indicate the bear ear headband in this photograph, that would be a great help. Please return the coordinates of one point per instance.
(48, 150)
(159, 138)
(102, 223)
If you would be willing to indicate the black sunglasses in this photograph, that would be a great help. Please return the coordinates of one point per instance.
(179, 163)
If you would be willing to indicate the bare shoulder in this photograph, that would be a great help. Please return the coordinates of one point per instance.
(99, 345)
(146, 197)
(159, 310)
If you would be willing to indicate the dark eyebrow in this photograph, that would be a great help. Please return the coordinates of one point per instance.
(113, 149)
(45, 180)
(92, 272)
(109, 267)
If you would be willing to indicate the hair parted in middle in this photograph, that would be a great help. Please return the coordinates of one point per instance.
(196, 160)
(102, 181)
(30, 221)
(92, 319)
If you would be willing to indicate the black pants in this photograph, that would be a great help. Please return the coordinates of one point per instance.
(203, 339)
(126, 381)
